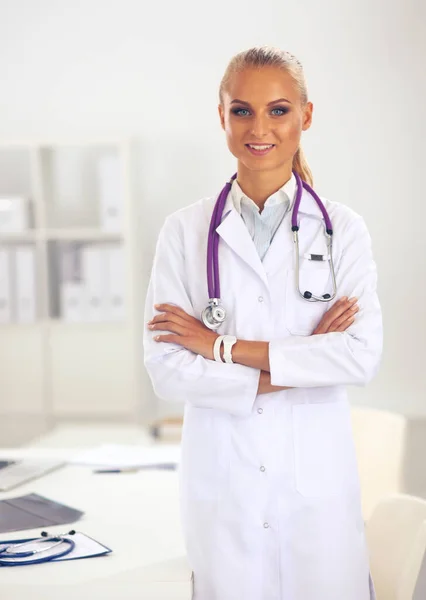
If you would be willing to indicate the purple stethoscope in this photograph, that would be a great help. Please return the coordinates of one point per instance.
(215, 314)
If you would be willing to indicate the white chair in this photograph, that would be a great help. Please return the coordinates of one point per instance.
(396, 538)
(380, 438)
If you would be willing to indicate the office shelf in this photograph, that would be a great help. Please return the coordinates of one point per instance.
(50, 367)
(80, 233)
(17, 238)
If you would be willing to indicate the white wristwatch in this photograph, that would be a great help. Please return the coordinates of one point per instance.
(216, 348)
(228, 342)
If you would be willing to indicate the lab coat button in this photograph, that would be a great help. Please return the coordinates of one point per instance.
(260, 298)
(262, 468)
(266, 525)
(260, 411)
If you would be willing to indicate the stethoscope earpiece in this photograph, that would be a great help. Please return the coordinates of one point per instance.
(45, 534)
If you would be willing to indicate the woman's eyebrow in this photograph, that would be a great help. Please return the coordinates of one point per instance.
(236, 101)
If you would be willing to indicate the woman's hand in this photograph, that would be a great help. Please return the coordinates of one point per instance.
(186, 331)
(192, 334)
(340, 316)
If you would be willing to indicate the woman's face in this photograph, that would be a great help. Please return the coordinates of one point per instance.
(263, 108)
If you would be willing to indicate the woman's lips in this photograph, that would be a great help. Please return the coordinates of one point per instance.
(260, 149)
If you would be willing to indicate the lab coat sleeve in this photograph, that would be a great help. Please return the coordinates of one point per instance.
(340, 358)
(177, 374)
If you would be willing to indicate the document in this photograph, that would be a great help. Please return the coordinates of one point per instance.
(122, 456)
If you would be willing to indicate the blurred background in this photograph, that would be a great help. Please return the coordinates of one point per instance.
(108, 123)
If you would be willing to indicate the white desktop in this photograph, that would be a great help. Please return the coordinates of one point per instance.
(136, 514)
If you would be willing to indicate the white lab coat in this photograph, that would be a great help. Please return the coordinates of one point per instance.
(269, 485)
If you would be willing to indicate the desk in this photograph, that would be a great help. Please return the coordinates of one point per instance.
(135, 514)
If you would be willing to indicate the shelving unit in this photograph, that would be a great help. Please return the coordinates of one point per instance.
(51, 368)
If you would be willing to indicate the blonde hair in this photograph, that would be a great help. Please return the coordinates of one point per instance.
(268, 56)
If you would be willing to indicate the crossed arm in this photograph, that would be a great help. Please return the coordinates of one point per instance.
(182, 367)
(192, 334)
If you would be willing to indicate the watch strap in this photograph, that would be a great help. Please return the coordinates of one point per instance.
(216, 348)
(228, 342)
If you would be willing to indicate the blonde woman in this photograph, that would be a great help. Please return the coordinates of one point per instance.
(269, 485)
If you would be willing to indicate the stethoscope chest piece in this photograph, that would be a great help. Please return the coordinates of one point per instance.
(214, 314)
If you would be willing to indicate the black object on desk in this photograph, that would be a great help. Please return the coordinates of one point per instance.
(33, 511)
(6, 463)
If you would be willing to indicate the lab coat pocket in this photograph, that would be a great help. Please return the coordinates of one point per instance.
(324, 451)
(302, 316)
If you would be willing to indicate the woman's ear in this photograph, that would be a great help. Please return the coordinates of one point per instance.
(307, 116)
(221, 115)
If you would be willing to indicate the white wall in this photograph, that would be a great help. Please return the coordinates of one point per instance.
(100, 68)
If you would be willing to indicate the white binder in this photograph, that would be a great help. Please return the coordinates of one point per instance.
(5, 286)
(110, 193)
(115, 283)
(72, 301)
(14, 214)
(94, 277)
(25, 292)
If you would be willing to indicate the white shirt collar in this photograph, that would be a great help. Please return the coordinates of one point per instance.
(285, 194)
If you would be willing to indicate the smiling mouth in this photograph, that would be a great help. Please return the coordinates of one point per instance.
(259, 149)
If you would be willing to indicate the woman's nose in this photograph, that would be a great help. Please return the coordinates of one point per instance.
(260, 127)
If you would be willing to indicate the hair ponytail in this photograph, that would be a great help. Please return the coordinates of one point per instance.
(300, 165)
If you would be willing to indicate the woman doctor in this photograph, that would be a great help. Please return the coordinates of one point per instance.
(269, 487)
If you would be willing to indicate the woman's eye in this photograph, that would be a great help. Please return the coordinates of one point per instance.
(238, 111)
(276, 112)
(280, 111)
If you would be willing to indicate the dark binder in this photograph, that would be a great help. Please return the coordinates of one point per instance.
(33, 511)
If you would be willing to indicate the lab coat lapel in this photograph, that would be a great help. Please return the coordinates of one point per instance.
(234, 233)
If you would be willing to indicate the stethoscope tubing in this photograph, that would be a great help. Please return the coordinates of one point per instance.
(215, 314)
(314, 298)
(213, 279)
(300, 185)
(9, 559)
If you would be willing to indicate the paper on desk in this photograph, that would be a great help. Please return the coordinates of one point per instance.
(85, 547)
(120, 456)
